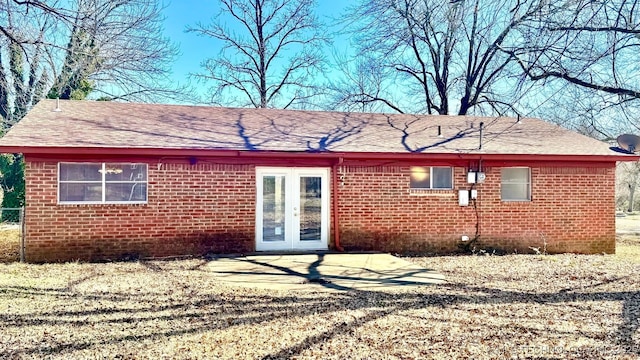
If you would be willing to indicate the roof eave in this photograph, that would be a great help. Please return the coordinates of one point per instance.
(52, 151)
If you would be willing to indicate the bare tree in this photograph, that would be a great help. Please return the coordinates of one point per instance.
(596, 45)
(28, 9)
(627, 181)
(444, 56)
(109, 49)
(496, 56)
(116, 50)
(589, 50)
(23, 55)
(269, 55)
(363, 86)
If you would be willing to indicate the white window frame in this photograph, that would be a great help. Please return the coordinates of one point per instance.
(528, 183)
(104, 183)
(431, 178)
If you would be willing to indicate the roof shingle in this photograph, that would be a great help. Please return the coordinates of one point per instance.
(90, 124)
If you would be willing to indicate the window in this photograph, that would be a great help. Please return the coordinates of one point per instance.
(100, 183)
(516, 184)
(431, 177)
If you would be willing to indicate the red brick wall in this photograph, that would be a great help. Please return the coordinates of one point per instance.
(378, 212)
(572, 210)
(192, 209)
(202, 208)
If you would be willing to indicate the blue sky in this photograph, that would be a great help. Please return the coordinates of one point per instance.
(194, 49)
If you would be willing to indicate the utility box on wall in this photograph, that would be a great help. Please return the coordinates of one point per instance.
(475, 177)
(463, 197)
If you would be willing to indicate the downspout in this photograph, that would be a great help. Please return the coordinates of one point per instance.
(22, 218)
(336, 220)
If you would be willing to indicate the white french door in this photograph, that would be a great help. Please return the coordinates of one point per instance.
(292, 208)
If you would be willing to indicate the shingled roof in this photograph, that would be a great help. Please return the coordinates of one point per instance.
(114, 125)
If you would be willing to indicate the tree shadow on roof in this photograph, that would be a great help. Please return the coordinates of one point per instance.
(315, 135)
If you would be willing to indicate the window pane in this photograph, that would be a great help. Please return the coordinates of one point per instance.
(515, 184)
(89, 192)
(442, 178)
(126, 172)
(123, 192)
(515, 192)
(517, 175)
(420, 178)
(80, 172)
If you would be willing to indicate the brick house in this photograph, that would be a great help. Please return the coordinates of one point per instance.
(107, 180)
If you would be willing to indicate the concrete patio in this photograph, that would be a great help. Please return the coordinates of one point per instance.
(322, 271)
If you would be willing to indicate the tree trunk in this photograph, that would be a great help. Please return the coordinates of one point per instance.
(632, 190)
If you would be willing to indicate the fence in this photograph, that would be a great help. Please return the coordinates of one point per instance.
(12, 219)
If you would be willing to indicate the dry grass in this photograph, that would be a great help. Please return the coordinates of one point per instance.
(9, 244)
(516, 306)
(630, 223)
(628, 239)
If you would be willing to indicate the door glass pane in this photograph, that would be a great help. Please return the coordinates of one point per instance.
(273, 206)
(310, 208)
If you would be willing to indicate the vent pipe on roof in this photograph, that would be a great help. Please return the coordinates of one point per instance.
(57, 109)
(481, 128)
(439, 131)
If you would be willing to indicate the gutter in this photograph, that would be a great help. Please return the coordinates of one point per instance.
(52, 151)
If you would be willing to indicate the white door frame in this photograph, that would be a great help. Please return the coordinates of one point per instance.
(291, 230)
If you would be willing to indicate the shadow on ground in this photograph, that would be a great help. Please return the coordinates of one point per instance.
(327, 271)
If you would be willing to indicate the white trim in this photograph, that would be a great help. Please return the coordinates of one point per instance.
(291, 229)
(322, 243)
(262, 245)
